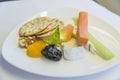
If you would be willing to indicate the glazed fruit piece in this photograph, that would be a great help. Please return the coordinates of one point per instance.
(66, 33)
(52, 53)
(34, 50)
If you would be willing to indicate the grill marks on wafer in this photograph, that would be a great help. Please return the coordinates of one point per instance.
(34, 26)
(47, 33)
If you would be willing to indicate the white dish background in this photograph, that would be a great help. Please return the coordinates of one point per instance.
(89, 65)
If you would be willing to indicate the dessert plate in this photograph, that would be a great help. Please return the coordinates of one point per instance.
(90, 64)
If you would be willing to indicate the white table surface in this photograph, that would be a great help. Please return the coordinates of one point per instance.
(14, 12)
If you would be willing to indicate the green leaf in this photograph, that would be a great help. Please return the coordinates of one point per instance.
(75, 20)
(55, 39)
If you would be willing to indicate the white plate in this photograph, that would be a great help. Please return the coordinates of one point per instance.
(89, 65)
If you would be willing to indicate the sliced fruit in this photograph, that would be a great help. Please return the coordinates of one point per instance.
(66, 33)
(34, 50)
(82, 30)
(101, 49)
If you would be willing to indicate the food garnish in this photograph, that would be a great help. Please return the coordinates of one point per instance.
(55, 38)
(34, 50)
(75, 20)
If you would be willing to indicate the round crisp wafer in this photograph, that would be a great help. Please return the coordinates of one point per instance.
(34, 26)
(53, 24)
(40, 25)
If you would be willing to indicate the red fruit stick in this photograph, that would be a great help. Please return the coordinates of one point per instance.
(82, 29)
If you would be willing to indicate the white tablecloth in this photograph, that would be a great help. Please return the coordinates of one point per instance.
(12, 13)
